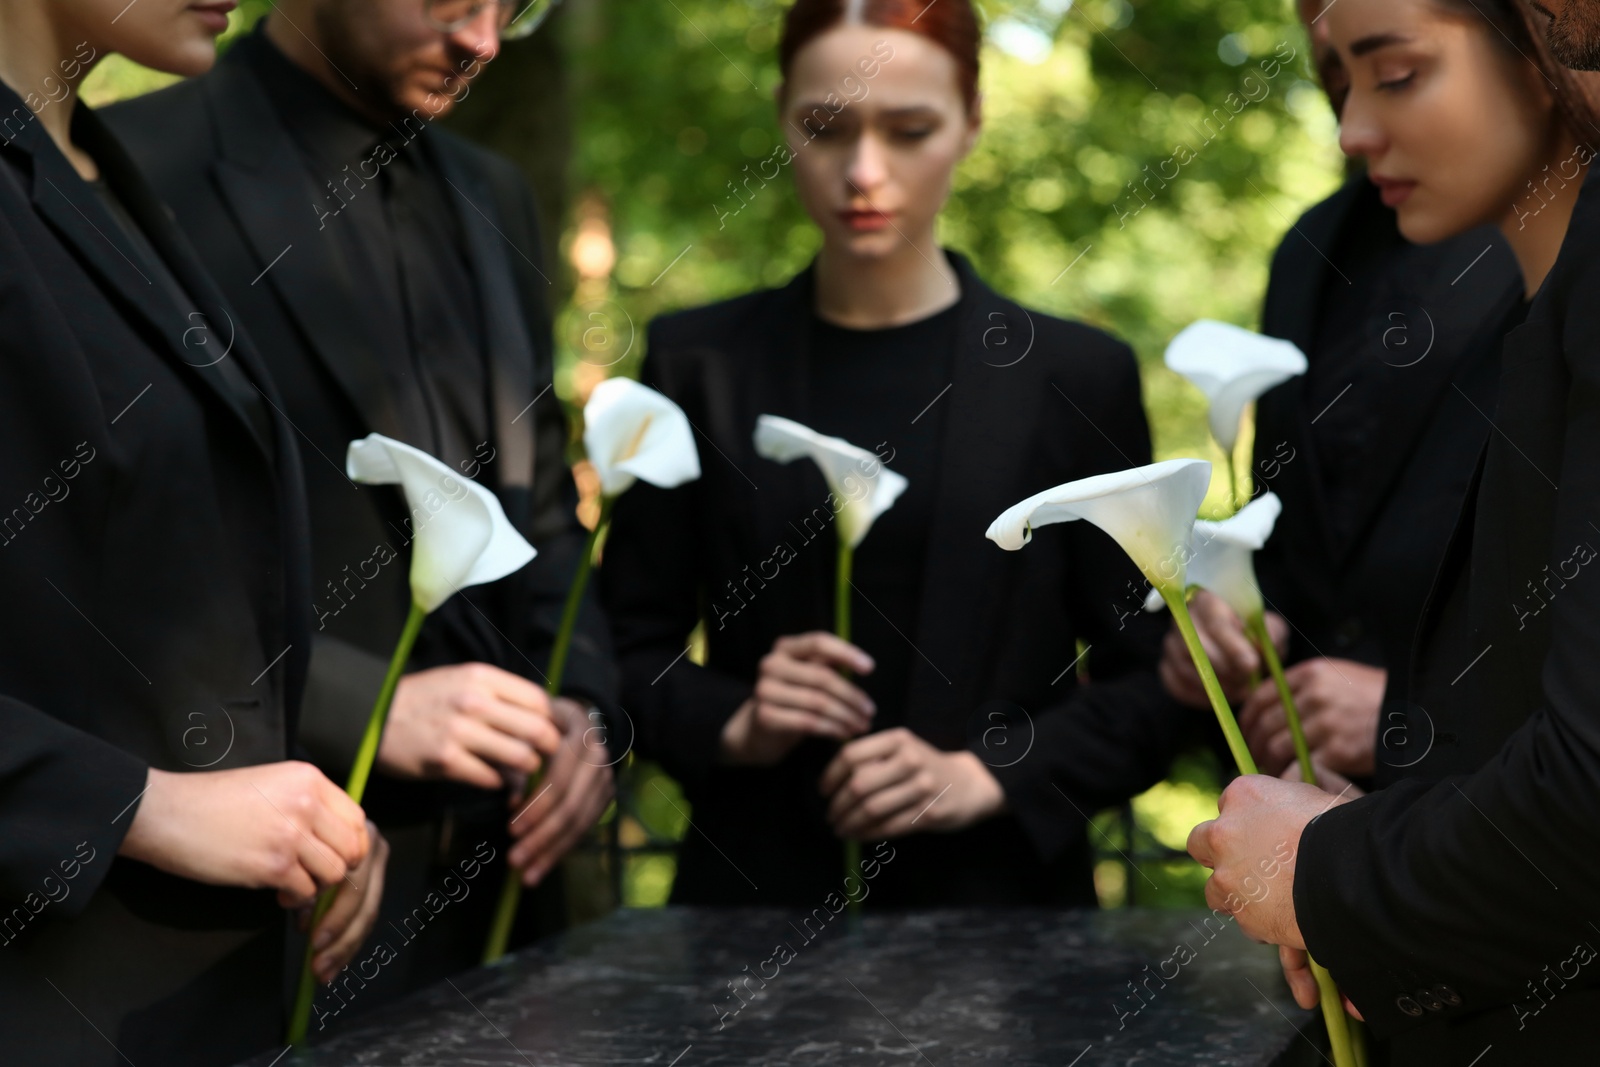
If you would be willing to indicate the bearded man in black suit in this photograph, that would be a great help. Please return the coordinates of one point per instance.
(391, 274)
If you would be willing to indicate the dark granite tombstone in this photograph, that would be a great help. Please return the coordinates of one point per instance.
(698, 987)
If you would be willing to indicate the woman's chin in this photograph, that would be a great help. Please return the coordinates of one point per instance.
(1423, 227)
(188, 53)
(868, 245)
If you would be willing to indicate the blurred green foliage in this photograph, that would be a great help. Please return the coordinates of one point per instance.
(672, 101)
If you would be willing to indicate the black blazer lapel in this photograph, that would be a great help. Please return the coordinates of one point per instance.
(508, 346)
(275, 203)
(197, 337)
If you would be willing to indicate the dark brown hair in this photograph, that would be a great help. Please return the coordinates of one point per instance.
(951, 24)
(1517, 27)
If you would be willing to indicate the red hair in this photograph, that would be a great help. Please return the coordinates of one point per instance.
(951, 24)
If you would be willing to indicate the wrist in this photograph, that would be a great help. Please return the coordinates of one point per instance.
(142, 841)
(988, 797)
(735, 735)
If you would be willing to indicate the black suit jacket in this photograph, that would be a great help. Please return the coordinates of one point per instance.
(1361, 599)
(1466, 895)
(1035, 401)
(235, 178)
(153, 558)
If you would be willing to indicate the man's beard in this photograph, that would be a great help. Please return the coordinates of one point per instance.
(1574, 35)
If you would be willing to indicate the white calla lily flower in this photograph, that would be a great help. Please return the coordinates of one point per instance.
(1222, 556)
(1232, 366)
(460, 533)
(864, 487)
(1149, 511)
(632, 432)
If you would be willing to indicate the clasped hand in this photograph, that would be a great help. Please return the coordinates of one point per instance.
(880, 785)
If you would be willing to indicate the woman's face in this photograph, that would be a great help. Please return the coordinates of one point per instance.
(1451, 122)
(176, 36)
(876, 124)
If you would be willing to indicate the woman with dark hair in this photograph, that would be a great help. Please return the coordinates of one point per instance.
(153, 564)
(958, 723)
(1433, 901)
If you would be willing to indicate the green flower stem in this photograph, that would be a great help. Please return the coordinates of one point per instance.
(1332, 1003)
(1358, 1040)
(1233, 486)
(1257, 628)
(366, 755)
(505, 912)
(1208, 678)
(569, 614)
(1332, 1006)
(505, 915)
(841, 628)
(1333, 1015)
(841, 592)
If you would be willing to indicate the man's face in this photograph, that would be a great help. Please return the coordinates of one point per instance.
(395, 61)
(1573, 32)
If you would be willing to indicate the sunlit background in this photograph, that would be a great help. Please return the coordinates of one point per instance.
(636, 119)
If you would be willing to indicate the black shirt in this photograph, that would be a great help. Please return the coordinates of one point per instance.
(390, 215)
(877, 389)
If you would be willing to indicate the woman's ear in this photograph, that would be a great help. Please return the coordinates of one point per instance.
(974, 124)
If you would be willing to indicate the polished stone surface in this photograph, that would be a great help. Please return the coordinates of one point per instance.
(932, 988)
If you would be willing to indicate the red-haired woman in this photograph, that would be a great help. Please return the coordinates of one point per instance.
(963, 733)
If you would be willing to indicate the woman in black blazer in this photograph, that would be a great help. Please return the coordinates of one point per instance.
(967, 736)
(153, 564)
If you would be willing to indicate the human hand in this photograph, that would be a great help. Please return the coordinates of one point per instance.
(1338, 700)
(800, 693)
(1233, 655)
(574, 794)
(463, 722)
(353, 913)
(1251, 846)
(1296, 963)
(280, 826)
(1327, 781)
(886, 784)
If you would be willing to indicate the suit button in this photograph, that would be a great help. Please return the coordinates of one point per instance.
(1429, 1001)
(1407, 1005)
(1451, 998)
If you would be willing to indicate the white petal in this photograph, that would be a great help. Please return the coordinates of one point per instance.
(631, 431)
(1148, 510)
(460, 533)
(1232, 366)
(1223, 554)
(863, 485)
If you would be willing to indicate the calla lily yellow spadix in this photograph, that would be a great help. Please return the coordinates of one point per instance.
(862, 489)
(460, 536)
(1222, 560)
(631, 433)
(1232, 366)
